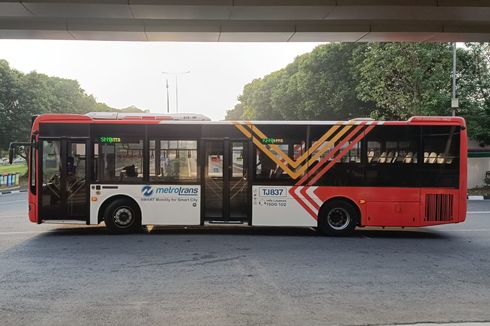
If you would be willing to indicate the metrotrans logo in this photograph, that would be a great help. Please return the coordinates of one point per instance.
(149, 191)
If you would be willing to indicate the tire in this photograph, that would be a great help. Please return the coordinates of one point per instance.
(122, 216)
(338, 218)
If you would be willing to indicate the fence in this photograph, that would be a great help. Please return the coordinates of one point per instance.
(9, 180)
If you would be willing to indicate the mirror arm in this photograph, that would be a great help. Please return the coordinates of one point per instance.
(13, 149)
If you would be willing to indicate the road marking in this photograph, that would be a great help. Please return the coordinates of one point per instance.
(14, 201)
(479, 212)
(467, 230)
(24, 232)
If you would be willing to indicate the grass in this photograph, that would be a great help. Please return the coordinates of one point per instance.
(14, 168)
(481, 191)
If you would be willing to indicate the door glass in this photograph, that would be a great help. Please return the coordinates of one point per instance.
(213, 180)
(51, 179)
(75, 180)
(238, 181)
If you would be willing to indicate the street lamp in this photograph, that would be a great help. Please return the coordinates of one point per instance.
(176, 74)
(454, 99)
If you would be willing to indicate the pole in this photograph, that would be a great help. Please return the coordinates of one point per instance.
(168, 99)
(176, 75)
(176, 95)
(454, 102)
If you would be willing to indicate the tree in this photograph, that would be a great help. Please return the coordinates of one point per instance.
(317, 85)
(381, 80)
(405, 79)
(474, 89)
(25, 95)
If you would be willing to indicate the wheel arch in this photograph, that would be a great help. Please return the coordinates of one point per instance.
(344, 199)
(109, 200)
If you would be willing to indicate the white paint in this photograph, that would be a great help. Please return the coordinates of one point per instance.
(14, 201)
(278, 208)
(477, 167)
(476, 198)
(159, 204)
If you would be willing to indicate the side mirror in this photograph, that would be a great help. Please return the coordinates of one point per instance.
(13, 147)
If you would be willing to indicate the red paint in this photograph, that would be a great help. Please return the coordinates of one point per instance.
(381, 206)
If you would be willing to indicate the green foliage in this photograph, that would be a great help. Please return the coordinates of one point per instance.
(381, 80)
(25, 95)
(474, 90)
(317, 85)
(405, 79)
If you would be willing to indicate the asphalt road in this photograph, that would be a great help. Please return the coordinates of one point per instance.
(60, 275)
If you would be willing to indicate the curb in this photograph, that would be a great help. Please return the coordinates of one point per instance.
(8, 192)
(478, 197)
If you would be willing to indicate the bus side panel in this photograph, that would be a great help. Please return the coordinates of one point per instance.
(159, 204)
(391, 206)
(281, 206)
(33, 197)
(463, 175)
(379, 206)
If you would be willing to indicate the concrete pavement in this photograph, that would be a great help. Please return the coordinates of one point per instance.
(59, 275)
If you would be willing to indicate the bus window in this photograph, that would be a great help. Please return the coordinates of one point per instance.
(122, 161)
(173, 160)
(32, 168)
(441, 145)
(279, 148)
(440, 165)
(392, 145)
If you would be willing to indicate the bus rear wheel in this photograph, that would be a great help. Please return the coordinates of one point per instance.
(122, 216)
(338, 218)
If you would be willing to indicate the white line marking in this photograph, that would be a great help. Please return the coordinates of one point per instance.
(24, 232)
(14, 201)
(467, 230)
(479, 212)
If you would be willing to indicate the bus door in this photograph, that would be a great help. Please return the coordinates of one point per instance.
(62, 176)
(225, 177)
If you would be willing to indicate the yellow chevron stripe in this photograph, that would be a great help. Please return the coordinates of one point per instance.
(297, 173)
(329, 145)
(266, 151)
(305, 155)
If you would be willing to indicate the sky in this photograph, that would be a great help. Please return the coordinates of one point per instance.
(121, 74)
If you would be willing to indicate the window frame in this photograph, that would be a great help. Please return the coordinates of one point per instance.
(155, 180)
(125, 139)
(33, 166)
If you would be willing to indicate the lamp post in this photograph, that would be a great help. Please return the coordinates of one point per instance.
(175, 74)
(454, 99)
(168, 100)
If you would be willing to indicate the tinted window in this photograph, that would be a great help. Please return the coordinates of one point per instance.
(119, 160)
(280, 147)
(392, 154)
(440, 166)
(173, 160)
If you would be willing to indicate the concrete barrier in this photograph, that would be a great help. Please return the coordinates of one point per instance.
(9, 180)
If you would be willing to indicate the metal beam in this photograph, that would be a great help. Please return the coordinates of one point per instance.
(247, 20)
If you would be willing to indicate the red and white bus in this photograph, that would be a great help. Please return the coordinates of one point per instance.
(129, 170)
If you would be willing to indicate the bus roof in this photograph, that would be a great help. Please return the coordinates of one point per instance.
(191, 118)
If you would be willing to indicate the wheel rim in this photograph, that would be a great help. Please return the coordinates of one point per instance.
(338, 218)
(123, 217)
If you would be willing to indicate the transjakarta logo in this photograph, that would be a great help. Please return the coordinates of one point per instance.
(147, 191)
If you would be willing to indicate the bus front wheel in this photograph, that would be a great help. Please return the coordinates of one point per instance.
(338, 218)
(122, 216)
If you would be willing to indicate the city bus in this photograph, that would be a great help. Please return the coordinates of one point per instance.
(131, 170)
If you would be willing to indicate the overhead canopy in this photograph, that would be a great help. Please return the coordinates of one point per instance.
(247, 20)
